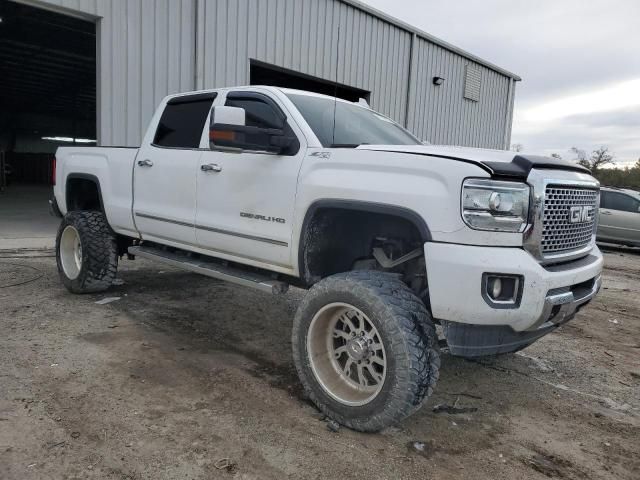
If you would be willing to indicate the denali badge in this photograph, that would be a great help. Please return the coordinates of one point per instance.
(581, 214)
(262, 217)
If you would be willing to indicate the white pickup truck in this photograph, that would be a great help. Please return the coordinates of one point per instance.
(270, 187)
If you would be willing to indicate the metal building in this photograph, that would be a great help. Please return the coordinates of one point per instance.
(146, 49)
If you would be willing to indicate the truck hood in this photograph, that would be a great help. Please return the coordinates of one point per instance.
(501, 163)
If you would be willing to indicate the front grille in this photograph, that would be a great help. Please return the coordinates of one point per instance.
(559, 234)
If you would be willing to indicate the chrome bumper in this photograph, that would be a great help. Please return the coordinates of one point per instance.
(562, 304)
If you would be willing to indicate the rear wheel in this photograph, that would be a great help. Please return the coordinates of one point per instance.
(86, 252)
(365, 349)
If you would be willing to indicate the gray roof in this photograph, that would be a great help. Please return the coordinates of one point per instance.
(420, 33)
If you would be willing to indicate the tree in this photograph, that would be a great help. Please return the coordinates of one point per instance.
(599, 158)
(556, 155)
(580, 156)
(517, 147)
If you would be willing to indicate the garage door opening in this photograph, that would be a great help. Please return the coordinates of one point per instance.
(265, 74)
(48, 98)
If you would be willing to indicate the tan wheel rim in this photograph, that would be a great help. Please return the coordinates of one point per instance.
(70, 250)
(346, 354)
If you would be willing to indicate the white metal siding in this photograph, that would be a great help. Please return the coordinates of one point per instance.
(151, 48)
(302, 35)
(442, 115)
(146, 50)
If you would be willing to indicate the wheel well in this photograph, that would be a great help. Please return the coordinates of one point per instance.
(83, 194)
(341, 239)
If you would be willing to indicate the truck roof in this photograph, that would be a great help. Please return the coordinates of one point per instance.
(284, 90)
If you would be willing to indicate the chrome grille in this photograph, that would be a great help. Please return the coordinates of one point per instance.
(559, 233)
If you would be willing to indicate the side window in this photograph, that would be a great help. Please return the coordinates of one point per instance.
(182, 121)
(605, 199)
(623, 203)
(262, 112)
(258, 113)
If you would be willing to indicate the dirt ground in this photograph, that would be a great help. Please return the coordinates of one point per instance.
(184, 377)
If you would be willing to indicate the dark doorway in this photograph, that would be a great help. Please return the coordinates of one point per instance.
(47, 88)
(47, 100)
(265, 74)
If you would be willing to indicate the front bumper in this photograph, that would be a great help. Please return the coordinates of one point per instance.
(549, 294)
(467, 340)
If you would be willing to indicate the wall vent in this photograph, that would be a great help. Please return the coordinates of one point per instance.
(472, 78)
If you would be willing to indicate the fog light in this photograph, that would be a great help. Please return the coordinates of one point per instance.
(502, 291)
(495, 287)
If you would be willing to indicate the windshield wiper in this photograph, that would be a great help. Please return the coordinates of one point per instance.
(346, 145)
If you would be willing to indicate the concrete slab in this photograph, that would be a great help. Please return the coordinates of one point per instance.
(25, 222)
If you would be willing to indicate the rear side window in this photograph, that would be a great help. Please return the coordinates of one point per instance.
(182, 121)
(619, 201)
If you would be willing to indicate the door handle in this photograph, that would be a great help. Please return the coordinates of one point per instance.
(211, 167)
(145, 163)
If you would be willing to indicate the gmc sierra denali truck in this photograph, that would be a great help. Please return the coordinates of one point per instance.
(270, 187)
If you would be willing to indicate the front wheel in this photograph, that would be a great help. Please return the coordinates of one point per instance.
(365, 349)
(86, 252)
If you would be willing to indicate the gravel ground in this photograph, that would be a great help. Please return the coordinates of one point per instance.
(186, 377)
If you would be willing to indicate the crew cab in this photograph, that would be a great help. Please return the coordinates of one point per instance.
(270, 187)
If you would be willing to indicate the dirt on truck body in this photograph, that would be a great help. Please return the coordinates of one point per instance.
(185, 377)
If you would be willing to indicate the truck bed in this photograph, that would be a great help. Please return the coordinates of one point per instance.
(112, 168)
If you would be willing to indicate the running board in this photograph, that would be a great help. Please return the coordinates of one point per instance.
(211, 269)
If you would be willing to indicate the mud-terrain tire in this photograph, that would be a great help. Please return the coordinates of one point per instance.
(86, 252)
(409, 351)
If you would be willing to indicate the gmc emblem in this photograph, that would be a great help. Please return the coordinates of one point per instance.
(581, 214)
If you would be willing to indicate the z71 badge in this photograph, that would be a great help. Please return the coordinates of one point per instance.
(262, 217)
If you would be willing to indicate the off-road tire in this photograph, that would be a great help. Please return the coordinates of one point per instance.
(408, 335)
(99, 252)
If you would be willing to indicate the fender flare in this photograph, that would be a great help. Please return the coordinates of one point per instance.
(82, 176)
(360, 205)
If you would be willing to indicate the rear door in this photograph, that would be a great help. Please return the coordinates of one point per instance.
(164, 205)
(619, 217)
(246, 200)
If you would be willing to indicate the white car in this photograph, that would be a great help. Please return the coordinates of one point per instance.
(270, 187)
(619, 216)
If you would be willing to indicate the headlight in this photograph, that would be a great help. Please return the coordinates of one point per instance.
(495, 205)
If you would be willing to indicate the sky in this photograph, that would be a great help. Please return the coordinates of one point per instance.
(579, 61)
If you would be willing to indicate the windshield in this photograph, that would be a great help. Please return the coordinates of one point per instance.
(355, 125)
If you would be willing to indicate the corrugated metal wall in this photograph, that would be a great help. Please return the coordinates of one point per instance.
(302, 35)
(442, 115)
(151, 48)
(146, 51)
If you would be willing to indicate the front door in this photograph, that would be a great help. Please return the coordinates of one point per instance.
(164, 205)
(246, 200)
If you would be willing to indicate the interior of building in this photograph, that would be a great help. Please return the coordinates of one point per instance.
(48, 99)
(264, 74)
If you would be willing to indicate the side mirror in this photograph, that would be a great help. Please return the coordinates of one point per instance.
(228, 131)
(228, 115)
